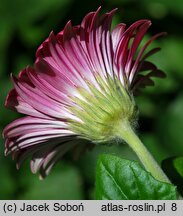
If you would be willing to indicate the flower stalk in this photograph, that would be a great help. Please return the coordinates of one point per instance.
(129, 136)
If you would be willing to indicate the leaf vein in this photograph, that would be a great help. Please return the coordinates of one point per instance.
(115, 182)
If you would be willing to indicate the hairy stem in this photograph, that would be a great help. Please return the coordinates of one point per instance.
(129, 136)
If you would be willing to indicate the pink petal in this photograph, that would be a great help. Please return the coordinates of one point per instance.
(117, 34)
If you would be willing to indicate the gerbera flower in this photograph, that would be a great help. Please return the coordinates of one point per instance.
(79, 90)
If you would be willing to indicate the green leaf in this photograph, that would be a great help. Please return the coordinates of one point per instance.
(173, 167)
(178, 163)
(121, 179)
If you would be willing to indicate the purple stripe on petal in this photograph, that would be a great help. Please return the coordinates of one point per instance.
(117, 34)
(137, 39)
(39, 100)
(141, 53)
(15, 102)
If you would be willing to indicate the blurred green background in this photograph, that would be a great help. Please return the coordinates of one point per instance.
(25, 24)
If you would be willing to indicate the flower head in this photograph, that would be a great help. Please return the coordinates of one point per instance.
(80, 87)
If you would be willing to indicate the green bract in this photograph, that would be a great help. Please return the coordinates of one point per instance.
(102, 110)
